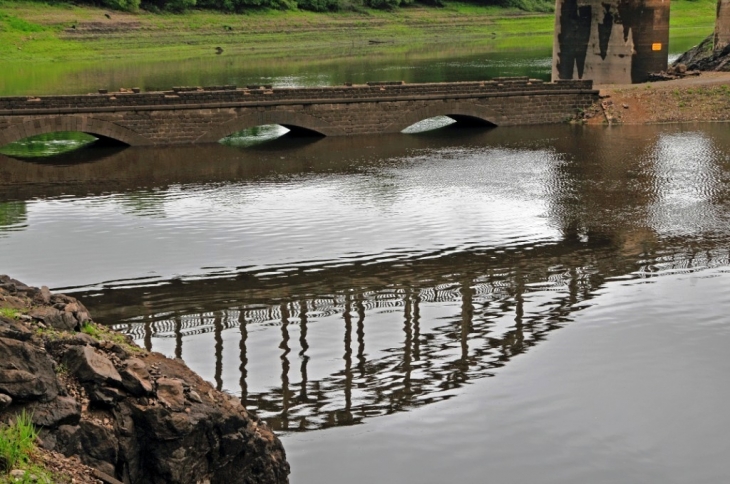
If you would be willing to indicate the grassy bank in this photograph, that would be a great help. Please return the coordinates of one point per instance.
(48, 33)
(44, 33)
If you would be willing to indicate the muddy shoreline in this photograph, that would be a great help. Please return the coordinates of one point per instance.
(704, 98)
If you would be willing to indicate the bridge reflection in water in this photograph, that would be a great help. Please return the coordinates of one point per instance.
(481, 310)
(321, 345)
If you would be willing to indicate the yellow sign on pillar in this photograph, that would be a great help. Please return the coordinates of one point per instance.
(656, 46)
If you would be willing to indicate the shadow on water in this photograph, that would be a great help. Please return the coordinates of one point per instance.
(360, 338)
(130, 169)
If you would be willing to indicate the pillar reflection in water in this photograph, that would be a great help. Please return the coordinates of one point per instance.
(303, 353)
(347, 316)
(467, 313)
(243, 354)
(363, 386)
(495, 315)
(285, 365)
(218, 325)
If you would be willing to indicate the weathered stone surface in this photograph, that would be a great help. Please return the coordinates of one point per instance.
(26, 372)
(190, 433)
(136, 378)
(207, 116)
(85, 339)
(170, 393)
(194, 397)
(78, 311)
(5, 401)
(61, 411)
(90, 366)
(99, 446)
(54, 318)
(610, 41)
(43, 296)
(13, 329)
(105, 396)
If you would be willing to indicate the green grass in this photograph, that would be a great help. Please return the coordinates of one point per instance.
(91, 329)
(17, 442)
(8, 23)
(42, 32)
(102, 333)
(17, 452)
(48, 36)
(9, 313)
(692, 14)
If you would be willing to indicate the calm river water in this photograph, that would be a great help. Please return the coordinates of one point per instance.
(543, 304)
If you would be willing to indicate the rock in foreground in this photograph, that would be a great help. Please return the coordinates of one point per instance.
(135, 416)
(704, 57)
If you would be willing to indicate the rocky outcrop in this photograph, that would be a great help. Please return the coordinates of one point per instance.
(135, 416)
(704, 57)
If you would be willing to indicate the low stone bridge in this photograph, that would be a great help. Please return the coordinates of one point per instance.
(204, 115)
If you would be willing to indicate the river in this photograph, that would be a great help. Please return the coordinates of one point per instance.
(543, 304)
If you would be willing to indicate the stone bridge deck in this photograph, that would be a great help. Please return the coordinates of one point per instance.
(201, 115)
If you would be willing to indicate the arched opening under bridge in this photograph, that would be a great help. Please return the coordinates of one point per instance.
(262, 135)
(57, 143)
(447, 122)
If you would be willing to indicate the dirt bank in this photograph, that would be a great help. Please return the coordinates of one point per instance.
(702, 98)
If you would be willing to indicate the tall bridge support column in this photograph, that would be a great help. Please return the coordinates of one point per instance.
(722, 25)
(610, 41)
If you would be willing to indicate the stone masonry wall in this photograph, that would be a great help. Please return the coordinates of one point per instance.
(188, 115)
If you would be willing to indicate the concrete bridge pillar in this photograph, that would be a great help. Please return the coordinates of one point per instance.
(722, 25)
(610, 41)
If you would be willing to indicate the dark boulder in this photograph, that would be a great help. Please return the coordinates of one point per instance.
(136, 378)
(91, 366)
(54, 318)
(26, 372)
(137, 416)
(60, 411)
(13, 329)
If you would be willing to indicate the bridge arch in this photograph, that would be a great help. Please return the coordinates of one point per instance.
(52, 124)
(291, 120)
(461, 112)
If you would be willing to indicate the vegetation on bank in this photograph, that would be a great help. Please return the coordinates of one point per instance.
(19, 462)
(47, 33)
(42, 32)
(240, 6)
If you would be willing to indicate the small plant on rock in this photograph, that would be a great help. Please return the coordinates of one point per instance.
(102, 333)
(9, 313)
(91, 329)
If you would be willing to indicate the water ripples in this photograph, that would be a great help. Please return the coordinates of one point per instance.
(340, 280)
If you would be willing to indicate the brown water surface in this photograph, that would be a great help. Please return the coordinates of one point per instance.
(374, 284)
